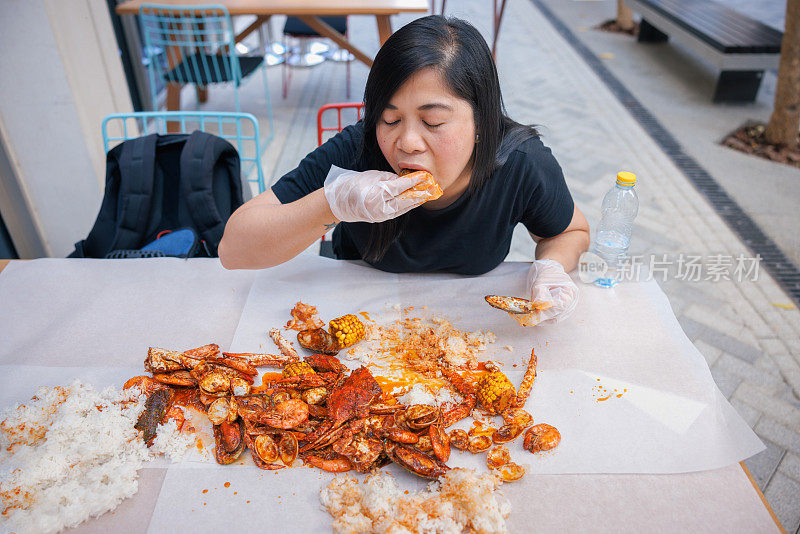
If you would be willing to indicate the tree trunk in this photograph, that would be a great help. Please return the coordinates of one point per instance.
(624, 16)
(785, 120)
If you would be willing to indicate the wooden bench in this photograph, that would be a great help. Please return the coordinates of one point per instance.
(742, 48)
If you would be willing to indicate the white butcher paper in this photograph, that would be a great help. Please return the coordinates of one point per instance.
(287, 500)
(94, 319)
(663, 414)
(87, 312)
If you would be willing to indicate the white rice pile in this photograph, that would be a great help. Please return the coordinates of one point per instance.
(461, 499)
(72, 453)
(419, 394)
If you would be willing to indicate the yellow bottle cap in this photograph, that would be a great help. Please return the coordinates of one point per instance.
(626, 178)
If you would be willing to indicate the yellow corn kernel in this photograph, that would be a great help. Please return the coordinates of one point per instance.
(297, 369)
(347, 330)
(495, 392)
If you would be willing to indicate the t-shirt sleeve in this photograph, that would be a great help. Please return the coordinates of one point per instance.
(549, 208)
(340, 150)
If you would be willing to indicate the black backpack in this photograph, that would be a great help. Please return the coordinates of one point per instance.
(161, 183)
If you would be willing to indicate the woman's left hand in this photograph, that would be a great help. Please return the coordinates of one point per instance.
(549, 284)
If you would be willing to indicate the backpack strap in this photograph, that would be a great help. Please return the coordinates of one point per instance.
(199, 160)
(97, 243)
(137, 171)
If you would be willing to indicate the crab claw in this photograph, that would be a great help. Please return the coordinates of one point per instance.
(415, 461)
(515, 304)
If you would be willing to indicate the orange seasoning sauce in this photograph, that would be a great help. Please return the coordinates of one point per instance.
(604, 394)
(266, 382)
(189, 398)
(409, 353)
(410, 346)
(205, 442)
(406, 379)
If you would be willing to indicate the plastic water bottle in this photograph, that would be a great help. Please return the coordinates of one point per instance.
(613, 237)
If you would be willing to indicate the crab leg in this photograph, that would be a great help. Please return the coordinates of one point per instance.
(303, 381)
(176, 378)
(235, 363)
(286, 348)
(201, 353)
(464, 388)
(386, 409)
(339, 464)
(161, 360)
(323, 428)
(510, 304)
(516, 304)
(527, 381)
(256, 359)
(459, 412)
(323, 440)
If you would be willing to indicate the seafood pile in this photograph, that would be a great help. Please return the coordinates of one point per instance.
(333, 418)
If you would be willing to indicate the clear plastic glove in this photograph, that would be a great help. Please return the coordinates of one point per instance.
(551, 287)
(369, 196)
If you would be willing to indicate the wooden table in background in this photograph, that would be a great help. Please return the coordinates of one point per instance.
(309, 11)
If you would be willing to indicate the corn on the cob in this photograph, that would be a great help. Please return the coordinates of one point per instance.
(297, 369)
(347, 330)
(495, 392)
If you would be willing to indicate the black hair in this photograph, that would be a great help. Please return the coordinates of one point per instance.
(455, 49)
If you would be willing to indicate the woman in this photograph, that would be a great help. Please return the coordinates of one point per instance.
(432, 102)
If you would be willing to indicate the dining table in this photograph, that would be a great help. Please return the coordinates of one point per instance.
(95, 319)
(309, 11)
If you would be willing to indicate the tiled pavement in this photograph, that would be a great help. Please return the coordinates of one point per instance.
(752, 344)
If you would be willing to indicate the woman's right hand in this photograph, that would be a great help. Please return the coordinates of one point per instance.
(368, 196)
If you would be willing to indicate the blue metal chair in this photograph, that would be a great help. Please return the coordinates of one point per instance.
(196, 44)
(239, 129)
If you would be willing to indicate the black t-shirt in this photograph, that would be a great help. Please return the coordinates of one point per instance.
(470, 236)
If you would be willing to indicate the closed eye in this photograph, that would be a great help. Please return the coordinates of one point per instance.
(391, 123)
(432, 125)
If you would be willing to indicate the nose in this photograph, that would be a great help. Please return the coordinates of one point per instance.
(409, 140)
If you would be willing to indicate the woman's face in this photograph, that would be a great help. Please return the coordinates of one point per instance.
(427, 127)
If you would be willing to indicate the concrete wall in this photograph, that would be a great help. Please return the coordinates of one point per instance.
(60, 74)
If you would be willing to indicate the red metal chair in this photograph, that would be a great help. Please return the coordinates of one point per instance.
(358, 106)
(325, 248)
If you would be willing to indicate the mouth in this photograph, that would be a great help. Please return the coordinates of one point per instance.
(405, 169)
